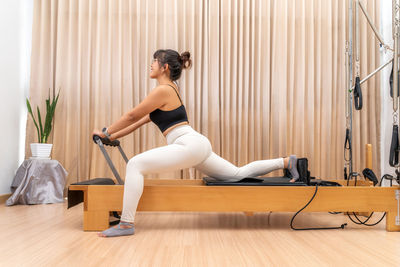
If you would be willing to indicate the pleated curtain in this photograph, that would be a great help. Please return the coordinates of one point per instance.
(267, 81)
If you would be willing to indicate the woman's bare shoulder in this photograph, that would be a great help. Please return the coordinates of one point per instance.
(162, 88)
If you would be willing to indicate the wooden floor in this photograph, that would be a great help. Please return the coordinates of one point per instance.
(51, 235)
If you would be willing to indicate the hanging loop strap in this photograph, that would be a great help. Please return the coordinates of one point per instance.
(347, 145)
(358, 101)
(394, 147)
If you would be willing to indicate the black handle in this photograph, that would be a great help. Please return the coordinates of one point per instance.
(370, 175)
(358, 101)
(105, 141)
(394, 147)
(347, 143)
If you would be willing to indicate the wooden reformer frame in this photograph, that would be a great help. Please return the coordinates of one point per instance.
(193, 195)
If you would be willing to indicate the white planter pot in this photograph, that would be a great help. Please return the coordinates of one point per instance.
(41, 150)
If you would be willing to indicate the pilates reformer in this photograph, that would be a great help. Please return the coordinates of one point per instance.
(102, 198)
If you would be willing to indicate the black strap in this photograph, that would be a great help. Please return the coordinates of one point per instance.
(358, 101)
(370, 175)
(347, 143)
(176, 93)
(394, 147)
(347, 146)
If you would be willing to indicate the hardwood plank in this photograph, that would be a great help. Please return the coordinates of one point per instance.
(3, 198)
(51, 235)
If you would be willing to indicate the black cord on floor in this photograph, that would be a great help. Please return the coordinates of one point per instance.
(364, 222)
(319, 228)
(359, 221)
(387, 177)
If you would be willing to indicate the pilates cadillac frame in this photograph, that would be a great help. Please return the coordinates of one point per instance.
(353, 87)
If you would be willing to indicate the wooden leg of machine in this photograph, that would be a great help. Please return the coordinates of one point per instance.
(95, 220)
(368, 164)
(391, 222)
(368, 156)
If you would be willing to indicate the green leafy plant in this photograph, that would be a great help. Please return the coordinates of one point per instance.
(43, 131)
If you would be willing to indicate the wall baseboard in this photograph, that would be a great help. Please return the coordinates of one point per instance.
(3, 198)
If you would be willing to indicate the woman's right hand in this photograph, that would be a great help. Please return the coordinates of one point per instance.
(98, 133)
(105, 140)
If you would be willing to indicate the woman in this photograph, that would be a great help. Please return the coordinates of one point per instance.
(186, 148)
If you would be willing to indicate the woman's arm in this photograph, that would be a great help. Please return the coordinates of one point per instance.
(154, 100)
(130, 128)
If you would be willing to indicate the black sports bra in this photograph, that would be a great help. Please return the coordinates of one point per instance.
(167, 118)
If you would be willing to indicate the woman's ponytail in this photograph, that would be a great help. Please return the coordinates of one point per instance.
(186, 61)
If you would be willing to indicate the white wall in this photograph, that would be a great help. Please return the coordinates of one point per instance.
(387, 102)
(15, 45)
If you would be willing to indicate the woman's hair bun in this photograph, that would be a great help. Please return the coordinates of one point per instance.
(186, 61)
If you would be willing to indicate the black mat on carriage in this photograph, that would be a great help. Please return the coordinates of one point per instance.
(253, 181)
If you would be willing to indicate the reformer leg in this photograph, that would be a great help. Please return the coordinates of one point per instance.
(391, 222)
(95, 220)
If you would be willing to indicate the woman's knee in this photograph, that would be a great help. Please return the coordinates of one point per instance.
(241, 173)
(133, 164)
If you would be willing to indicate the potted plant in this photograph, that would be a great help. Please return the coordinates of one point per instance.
(42, 149)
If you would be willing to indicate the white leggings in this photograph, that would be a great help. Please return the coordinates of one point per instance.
(186, 148)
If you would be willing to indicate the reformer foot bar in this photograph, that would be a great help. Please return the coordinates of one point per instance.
(194, 196)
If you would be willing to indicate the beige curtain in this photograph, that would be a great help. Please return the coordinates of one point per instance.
(267, 78)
